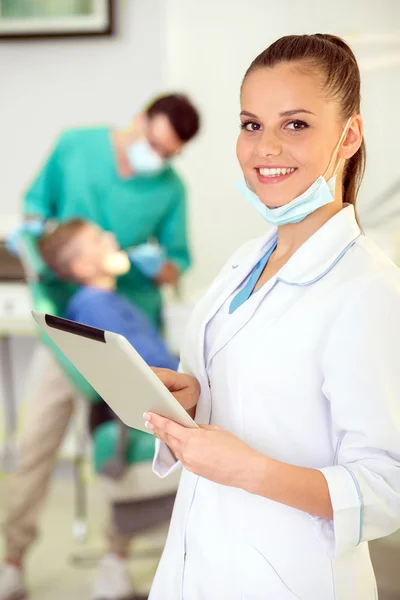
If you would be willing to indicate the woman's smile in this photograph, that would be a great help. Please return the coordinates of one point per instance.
(274, 174)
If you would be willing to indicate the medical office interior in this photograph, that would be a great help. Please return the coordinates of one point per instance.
(52, 84)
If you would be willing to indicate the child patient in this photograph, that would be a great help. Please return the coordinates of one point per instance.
(81, 252)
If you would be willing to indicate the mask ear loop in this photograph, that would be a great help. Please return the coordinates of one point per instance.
(342, 137)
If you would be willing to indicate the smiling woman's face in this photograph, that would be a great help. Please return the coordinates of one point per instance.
(289, 132)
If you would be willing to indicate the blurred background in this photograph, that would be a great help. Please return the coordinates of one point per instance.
(202, 48)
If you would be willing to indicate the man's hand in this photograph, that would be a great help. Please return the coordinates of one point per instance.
(32, 224)
(149, 259)
(168, 275)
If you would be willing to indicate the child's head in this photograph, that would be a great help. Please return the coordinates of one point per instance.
(82, 252)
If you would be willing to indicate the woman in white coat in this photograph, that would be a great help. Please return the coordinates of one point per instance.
(291, 362)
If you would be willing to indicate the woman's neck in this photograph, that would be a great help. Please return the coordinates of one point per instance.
(293, 235)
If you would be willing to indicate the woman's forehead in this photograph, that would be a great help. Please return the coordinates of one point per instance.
(282, 88)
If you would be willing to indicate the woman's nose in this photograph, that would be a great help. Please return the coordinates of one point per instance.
(268, 144)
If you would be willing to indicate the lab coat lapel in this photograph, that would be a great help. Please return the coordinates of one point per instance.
(315, 257)
(217, 295)
(234, 322)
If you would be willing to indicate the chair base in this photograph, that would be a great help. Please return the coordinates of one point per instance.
(139, 483)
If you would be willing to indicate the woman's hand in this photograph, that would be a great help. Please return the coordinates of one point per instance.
(217, 455)
(210, 451)
(185, 388)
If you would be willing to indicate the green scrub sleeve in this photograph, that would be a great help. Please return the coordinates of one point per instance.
(41, 197)
(172, 233)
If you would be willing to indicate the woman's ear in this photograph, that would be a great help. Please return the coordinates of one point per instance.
(353, 139)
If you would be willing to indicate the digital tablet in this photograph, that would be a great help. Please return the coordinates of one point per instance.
(115, 370)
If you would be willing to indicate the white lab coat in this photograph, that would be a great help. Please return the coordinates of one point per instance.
(307, 371)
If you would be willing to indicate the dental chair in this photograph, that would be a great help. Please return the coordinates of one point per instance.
(122, 456)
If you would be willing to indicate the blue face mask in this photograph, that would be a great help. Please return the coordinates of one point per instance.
(143, 159)
(320, 193)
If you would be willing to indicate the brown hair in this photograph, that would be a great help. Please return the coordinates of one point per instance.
(181, 113)
(56, 247)
(336, 61)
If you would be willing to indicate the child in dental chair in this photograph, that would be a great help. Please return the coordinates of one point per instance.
(81, 252)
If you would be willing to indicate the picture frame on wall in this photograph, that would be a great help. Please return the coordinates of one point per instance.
(41, 19)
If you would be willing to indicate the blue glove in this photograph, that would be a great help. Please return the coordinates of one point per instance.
(35, 227)
(148, 258)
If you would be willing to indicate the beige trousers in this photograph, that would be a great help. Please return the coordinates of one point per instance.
(46, 420)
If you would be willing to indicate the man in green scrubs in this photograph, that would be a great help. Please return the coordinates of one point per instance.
(122, 181)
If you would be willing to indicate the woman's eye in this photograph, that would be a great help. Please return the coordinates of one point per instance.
(250, 126)
(297, 125)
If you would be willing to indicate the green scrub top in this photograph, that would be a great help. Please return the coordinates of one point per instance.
(80, 180)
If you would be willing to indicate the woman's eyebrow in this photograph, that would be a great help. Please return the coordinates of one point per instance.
(289, 113)
(244, 113)
(286, 113)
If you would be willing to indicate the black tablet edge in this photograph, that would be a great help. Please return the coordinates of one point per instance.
(86, 331)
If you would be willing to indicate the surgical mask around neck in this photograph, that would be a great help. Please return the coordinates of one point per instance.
(320, 193)
(143, 159)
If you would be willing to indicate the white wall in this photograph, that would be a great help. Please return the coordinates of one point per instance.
(210, 44)
(47, 86)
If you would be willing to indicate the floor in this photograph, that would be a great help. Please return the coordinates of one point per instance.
(61, 569)
(385, 555)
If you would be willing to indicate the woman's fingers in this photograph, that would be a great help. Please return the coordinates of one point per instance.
(175, 381)
(167, 431)
(165, 426)
(185, 388)
(167, 377)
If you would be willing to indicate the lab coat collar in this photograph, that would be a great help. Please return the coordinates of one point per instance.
(322, 250)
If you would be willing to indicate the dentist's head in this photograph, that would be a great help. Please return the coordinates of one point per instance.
(159, 133)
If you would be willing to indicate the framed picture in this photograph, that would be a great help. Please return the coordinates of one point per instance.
(33, 19)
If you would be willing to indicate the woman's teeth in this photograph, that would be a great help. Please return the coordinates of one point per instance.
(275, 172)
